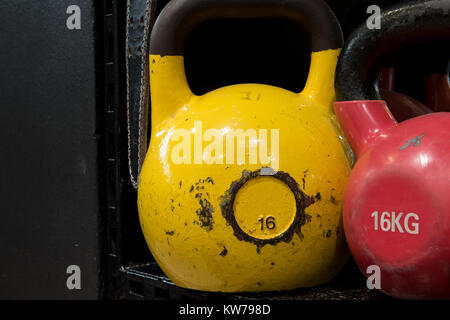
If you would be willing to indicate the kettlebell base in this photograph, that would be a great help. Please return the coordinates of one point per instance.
(254, 289)
(259, 286)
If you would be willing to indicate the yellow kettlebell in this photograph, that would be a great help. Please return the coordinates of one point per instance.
(242, 188)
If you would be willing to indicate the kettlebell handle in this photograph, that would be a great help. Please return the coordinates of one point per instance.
(401, 26)
(180, 17)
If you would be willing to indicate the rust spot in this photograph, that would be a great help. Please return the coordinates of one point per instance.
(224, 252)
(206, 210)
(302, 202)
(260, 283)
(304, 177)
(333, 200)
(181, 182)
(328, 234)
(191, 189)
(170, 233)
(318, 196)
(272, 263)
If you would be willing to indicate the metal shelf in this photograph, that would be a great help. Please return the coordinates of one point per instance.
(147, 281)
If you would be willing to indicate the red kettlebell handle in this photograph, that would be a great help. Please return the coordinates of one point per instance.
(363, 115)
(401, 26)
(403, 107)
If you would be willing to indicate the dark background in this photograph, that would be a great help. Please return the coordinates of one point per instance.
(49, 139)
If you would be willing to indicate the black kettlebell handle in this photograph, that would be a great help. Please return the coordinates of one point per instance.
(179, 18)
(401, 26)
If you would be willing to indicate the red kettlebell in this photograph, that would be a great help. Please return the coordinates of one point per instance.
(397, 202)
(402, 106)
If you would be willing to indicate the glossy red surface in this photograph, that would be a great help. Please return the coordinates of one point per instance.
(397, 202)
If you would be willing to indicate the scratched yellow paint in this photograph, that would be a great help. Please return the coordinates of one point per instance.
(180, 203)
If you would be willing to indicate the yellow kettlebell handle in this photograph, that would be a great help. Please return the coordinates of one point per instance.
(169, 87)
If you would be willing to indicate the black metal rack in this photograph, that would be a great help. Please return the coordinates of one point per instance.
(111, 62)
(133, 273)
(147, 281)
